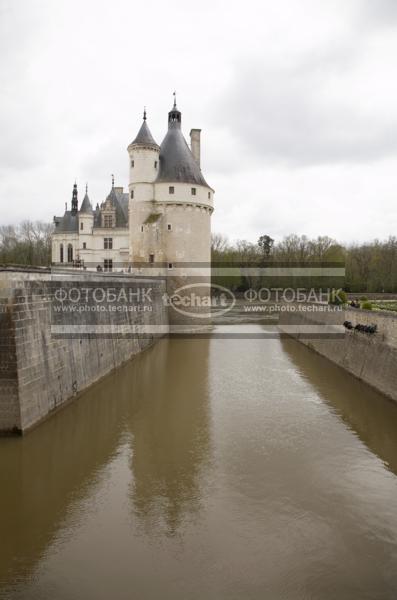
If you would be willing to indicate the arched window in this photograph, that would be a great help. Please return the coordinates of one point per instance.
(70, 253)
(61, 253)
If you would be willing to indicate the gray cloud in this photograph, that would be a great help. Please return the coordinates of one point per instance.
(292, 115)
(378, 12)
(294, 124)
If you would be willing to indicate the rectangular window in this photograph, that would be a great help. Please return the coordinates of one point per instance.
(108, 264)
(132, 164)
(84, 246)
(132, 193)
(169, 227)
(171, 189)
(107, 243)
(170, 266)
(155, 164)
(151, 258)
(193, 191)
(108, 220)
(209, 195)
(81, 225)
(142, 228)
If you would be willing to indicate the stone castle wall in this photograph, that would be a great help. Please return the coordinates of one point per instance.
(371, 358)
(44, 360)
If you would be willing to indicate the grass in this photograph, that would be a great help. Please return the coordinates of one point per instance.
(385, 305)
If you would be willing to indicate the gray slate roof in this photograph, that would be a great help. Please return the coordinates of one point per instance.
(86, 206)
(120, 202)
(177, 163)
(144, 136)
(68, 223)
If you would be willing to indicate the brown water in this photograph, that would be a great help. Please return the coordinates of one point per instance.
(206, 469)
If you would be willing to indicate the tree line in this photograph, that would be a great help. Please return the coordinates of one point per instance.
(369, 266)
(28, 243)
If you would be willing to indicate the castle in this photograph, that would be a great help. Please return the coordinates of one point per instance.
(163, 222)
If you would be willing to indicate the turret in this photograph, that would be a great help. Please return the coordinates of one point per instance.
(144, 161)
(86, 215)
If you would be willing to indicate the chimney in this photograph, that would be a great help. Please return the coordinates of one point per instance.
(195, 144)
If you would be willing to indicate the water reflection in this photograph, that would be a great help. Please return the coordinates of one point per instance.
(46, 473)
(170, 435)
(205, 469)
(372, 416)
(146, 405)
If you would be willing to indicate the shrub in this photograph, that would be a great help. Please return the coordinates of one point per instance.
(363, 298)
(337, 297)
(366, 305)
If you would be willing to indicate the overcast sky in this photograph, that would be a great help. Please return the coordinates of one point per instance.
(296, 99)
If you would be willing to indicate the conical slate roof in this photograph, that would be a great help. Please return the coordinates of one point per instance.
(177, 163)
(86, 206)
(144, 136)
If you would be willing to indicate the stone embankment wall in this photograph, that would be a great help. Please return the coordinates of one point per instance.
(371, 358)
(41, 370)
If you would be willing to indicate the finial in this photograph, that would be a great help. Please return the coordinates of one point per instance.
(112, 181)
(86, 188)
(144, 113)
(174, 94)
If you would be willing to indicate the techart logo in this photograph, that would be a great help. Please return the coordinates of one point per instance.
(202, 300)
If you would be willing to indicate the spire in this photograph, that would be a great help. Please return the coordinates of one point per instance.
(74, 199)
(144, 137)
(86, 206)
(174, 116)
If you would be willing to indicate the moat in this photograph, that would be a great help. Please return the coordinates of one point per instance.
(206, 469)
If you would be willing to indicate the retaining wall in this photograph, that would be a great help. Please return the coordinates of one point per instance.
(371, 358)
(40, 371)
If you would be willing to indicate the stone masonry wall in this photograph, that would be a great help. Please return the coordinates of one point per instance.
(371, 358)
(40, 370)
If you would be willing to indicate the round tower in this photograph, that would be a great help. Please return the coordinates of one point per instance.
(144, 163)
(86, 215)
(85, 225)
(170, 219)
(144, 167)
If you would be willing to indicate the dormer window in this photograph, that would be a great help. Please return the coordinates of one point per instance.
(108, 220)
(171, 189)
(209, 195)
(193, 191)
